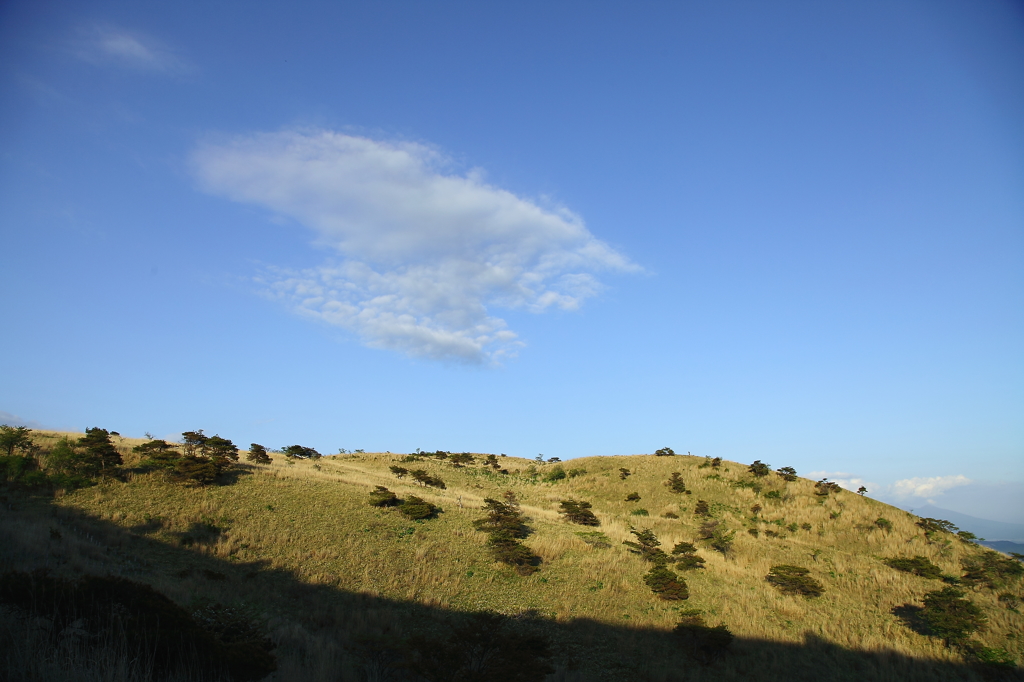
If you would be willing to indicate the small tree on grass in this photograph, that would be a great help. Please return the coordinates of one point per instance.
(825, 487)
(221, 451)
(991, 569)
(398, 471)
(382, 497)
(423, 478)
(624, 473)
(717, 536)
(195, 469)
(647, 546)
(100, 450)
(578, 511)
(787, 473)
(300, 452)
(675, 483)
(69, 468)
(666, 584)
(919, 565)
(461, 458)
(794, 580)
(506, 526)
(258, 454)
(702, 509)
(157, 453)
(416, 508)
(15, 438)
(950, 616)
(759, 469)
(665, 452)
(883, 524)
(686, 557)
(716, 462)
(633, 497)
(557, 473)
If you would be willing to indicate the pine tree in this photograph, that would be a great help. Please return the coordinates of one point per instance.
(100, 450)
(578, 512)
(258, 454)
(675, 483)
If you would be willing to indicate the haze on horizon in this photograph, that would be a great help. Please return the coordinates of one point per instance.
(789, 232)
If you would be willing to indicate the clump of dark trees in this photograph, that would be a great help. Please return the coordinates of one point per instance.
(578, 511)
(411, 507)
(794, 580)
(662, 580)
(421, 476)
(506, 527)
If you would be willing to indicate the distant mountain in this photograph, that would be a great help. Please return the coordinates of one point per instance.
(1005, 546)
(983, 528)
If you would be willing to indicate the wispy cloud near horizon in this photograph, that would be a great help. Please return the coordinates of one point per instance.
(425, 253)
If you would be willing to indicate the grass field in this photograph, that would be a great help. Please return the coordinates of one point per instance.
(298, 543)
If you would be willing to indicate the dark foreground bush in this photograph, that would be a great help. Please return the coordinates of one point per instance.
(794, 580)
(919, 565)
(382, 497)
(416, 508)
(666, 584)
(703, 643)
(950, 616)
(145, 625)
(578, 511)
(991, 569)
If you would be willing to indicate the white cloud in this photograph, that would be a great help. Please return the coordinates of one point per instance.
(846, 480)
(926, 487)
(113, 45)
(8, 419)
(425, 253)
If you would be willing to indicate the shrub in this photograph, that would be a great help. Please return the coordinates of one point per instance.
(573, 473)
(258, 454)
(686, 557)
(623, 473)
(755, 509)
(805, 526)
(716, 462)
(675, 483)
(787, 473)
(717, 536)
(919, 565)
(825, 487)
(991, 569)
(992, 657)
(15, 438)
(704, 643)
(773, 495)
(99, 451)
(398, 471)
(300, 452)
(557, 473)
(794, 580)
(382, 497)
(702, 509)
(416, 509)
(670, 515)
(424, 478)
(633, 497)
(665, 452)
(461, 458)
(759, 469)
(505, 526)
(950, 616)
(666, 584)
(507, 550)
(639, 511)
(69, 467)
(578, 512)
(195, 469)
(883, 524)
(157, 453)
(647, 546)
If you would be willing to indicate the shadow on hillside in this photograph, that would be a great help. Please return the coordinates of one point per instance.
(323, 633)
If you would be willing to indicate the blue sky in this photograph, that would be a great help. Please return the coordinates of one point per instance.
(779, 231)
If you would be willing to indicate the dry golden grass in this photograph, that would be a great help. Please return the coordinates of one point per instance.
(312, 521)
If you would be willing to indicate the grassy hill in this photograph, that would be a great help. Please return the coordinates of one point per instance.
(347, 588)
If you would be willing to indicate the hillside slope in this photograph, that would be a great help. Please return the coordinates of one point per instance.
(298, 542)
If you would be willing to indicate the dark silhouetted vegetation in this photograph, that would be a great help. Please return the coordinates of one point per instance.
(578, 511)
(786, 473)
(950, 616)
(258, 454)
(759, 469)
(506, 527)
(702, 642)
(382, 497)
(665, 452)
(417, 509)
(702, 509)
(633, 497)
(675, 483)
(917, 565)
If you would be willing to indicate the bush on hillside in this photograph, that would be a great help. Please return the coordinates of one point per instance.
(665, 452)
(624, 473)
(417, 509)
(702, 509)
(787, 473)
(300, 452)
(578, 512)
(675, 483)
(950, 616)
(557, 473)
(633, 497)
(991, 569)
(647, 546)
(686, 557)
(14, 438)
(258, 454)
(666, 584)
(670, 515)
(717, 536)
(100, 452)
(918, 565)
(759, 469)
(703, 643)
(195, 469)
(506, 526)
(399, 472)
(461, 459)
(422, 477)
(382, 497)
(157, 454)
(883, 524)
(794, 580)
(825, 487)
(506, 549)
